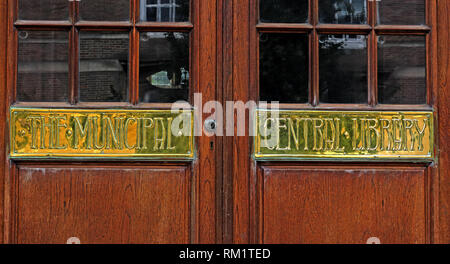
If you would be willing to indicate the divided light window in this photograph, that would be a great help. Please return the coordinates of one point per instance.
(93, 51)
(344, 52)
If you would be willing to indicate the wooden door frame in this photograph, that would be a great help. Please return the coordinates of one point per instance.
(206, 208)
(3, 126)
(240, 85)
(233, 33)
(443, 85)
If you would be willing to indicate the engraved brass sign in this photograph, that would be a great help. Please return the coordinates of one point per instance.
(284, 135)
(68, 133)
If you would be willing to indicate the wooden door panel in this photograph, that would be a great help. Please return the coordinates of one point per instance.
(342, 205)
(103, 205)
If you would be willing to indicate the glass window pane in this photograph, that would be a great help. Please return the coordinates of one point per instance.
(105, 10)
(401, 70)
(43, 66)
(343, 11)
(164, 10)
(43, 9)
(163, 67)
(283, 11)
(104, 66)
(343, 69)
(401, 12)
(283, 67)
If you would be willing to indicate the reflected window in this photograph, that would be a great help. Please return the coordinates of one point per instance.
(343, 69)
(401, 12)
(342, 11)
(43, 9)
(401, 70)
(104, 10)
(283, 68)
(103, 66)
(161, 79)
(43, 66)
(164, 10)
(163, 67)
(283, 11)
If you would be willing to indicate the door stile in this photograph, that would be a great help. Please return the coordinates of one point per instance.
(442, 186)
(242, 167)
(227, 94)
(3, 127)
(205, 61)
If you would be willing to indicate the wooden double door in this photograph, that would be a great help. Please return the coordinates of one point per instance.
(307, 55)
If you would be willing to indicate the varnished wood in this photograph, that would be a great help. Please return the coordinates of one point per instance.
(220, 140)
(362, 107)
(26, 24)
(73, 54)
(411, 30)
(336, 28)
(241, 163)
(204, 61)
(314, 56)
(98, 105)
(341, 204)
(227, 86)
(73, 66)
(253, 95)
(133, 70)
(115, 204)
(9, 167)
(372, 63)
(133, 96)
(283, 27)
(165, 26)
(100, 25)
(443, 83)
(12, 50)
(3, 110)
(432, 99)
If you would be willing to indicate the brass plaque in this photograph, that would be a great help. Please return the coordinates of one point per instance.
(343, 135)
(69, 133)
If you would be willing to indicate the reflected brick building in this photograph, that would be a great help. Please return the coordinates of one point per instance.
(104, 56)
(43, 73)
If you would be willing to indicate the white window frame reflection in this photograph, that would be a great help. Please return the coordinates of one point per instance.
(159, 6)
(350, 41)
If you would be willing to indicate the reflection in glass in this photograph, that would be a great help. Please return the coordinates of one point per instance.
(105, 10)
(283, 11)
(43, 66)
(401, 12)
(43, 9)
(103, 66)
(342, 11)
(343, 69)
(164, 10)
(283, 67)
(401, 70)
(163, 67)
